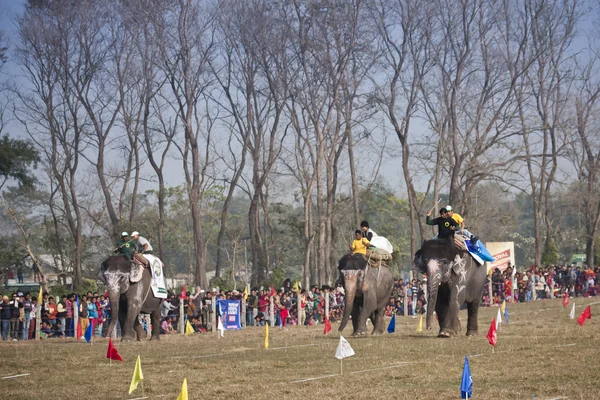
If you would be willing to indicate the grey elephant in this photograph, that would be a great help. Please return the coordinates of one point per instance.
(367, 290)
(129, 299)
(453, 278)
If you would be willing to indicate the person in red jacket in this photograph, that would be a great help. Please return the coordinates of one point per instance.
(52, 311)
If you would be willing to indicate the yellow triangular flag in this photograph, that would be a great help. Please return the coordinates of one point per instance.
(296, 287)
(41, 295)
(183, 394)
(267, 336)
(503, 307)
(137, 375)
(420, 326)
(188, 328)
(246, 293)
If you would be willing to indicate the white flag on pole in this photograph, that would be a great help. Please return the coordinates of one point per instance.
(220, 326)
(498, 318)
(572, 313)
(344, 349)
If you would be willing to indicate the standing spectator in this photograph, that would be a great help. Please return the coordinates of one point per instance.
(5, 315)
(34, 307)
(84, 322)
(92, 313)
(20, 272)
(100, 305)
(61, 313)
(252, 308)
(191, 309)
(284, 311)
(27, 308)
(197, 300)
(52, 311)
(302, 315)
(44, 304)
(37, 275)
(264, 305)
(15, 316)
(166, 308)
(69, 317)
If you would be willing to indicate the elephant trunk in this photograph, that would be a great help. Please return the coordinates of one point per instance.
(350, 286)
(116, 283)
(433, 284)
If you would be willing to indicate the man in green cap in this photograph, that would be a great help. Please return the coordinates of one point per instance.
(126, 247)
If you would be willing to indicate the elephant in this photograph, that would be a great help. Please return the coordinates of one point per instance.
(453, 278)
(129, 299)
(367, 290)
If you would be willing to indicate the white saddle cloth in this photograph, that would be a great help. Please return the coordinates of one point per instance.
(159, 288)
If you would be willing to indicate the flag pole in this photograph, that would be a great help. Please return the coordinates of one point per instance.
(341, 366)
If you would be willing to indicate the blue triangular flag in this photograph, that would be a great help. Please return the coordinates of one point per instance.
(506, 314)
(280, 322)
(466, 385)
(89, 332)
(392, 325)
(77, 300)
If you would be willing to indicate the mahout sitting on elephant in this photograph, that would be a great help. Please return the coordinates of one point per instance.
(453, 278)
(367, 289)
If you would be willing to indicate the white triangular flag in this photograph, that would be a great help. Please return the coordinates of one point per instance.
(220, 326)
(498, 319)
(344, 349)
(572, 313)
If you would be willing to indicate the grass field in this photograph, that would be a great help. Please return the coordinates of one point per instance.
(541, 353)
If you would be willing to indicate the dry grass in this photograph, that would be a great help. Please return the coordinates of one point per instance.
(541, 353)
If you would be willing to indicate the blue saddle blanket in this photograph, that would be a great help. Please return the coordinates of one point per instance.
(478, 250)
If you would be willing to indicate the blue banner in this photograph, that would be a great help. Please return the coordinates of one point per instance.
(229, 312)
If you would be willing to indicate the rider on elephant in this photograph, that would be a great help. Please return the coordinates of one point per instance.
(143, 246)
(367, 231)
(360, 243)
(447, 226)
(461, 222)
(126, 247)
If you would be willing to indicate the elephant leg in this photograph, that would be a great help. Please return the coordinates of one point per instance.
(452, 322)
(377, 317)
(442, 310)
(155, 317)
(122, 315)
(356, 311)
(369, 304)
(139, 329)
(472, 310)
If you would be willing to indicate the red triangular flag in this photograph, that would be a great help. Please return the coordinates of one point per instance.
(273, 292)
(106, 294)
(566, 299)
(79, 331)
(183, 295)
(327, 326)
(492, 336)
(586, 314)
(112, 352)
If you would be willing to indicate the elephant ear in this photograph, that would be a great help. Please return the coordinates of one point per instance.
(458, 266)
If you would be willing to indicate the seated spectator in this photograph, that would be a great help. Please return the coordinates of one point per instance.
(58, 331)
(166, 327)
(46, 330)
(259, 320)
(310, 321)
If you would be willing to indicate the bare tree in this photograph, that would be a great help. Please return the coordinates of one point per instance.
(185, 32)
(51, 113)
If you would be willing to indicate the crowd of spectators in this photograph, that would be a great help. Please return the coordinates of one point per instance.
(18, 311)
(542, 283)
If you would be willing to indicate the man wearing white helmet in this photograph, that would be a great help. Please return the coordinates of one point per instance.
(461, 223)
(143, 244)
